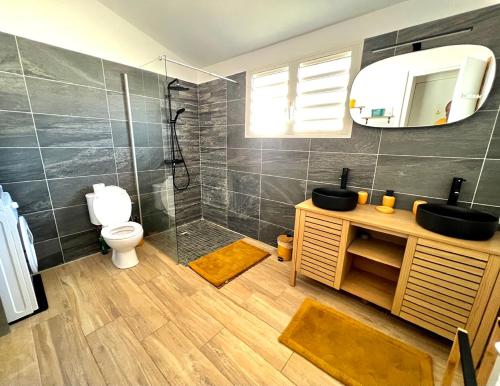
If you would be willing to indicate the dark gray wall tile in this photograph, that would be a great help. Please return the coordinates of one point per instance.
(237, 90)
(236, 138)
(20, 165)
(216, 215)
(113, 75)
(468, 138)
(71, 191)
(494, 150)
(363, 140)
(244, 160)
(244, 204)
(123, 156)
(327, 167)
(9, 60)
(268, 233)
(138, 108)
(213, 136)
(277, 213)
(66, 99)
(236, 112)
(286, 144)
(283, 189)
(74, 162)
(247, 226)
(488, 191)
(213, 157)
(241, 182)
(79, 245)
(214, 177)
(48, 254)
(116, 103)
(426, 175)
(50, 62)
(17, 130)
(32, 196)
(57, 131)
(73, 219)
(213, 114)
(154, 131)
(292, 164)
(213, 91)
(155, 223)
(405, 201)
(374, 43)
(153, 110)
(151, 84)
(42, 225)
(120, 133)
(13, 93)
(214, 197)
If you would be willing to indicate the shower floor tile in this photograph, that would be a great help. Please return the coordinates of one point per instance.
(194, 240)
(200, 237)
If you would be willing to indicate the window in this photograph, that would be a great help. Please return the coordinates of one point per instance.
(301, 99)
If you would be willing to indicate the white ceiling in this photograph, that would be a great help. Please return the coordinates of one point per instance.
(206, 32)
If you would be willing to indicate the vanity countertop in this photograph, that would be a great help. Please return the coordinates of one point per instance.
(403, 222)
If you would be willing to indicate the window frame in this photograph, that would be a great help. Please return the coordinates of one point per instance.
(293, 66)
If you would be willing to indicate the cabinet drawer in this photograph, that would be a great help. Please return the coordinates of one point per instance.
(442, 286)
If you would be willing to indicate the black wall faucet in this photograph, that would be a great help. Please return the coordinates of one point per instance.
(343, 178)
(455, 190)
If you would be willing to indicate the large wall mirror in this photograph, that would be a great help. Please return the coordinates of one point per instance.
(423, 88)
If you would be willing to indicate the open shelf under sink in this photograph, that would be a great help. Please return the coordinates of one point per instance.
(378, 250)
(371, 287)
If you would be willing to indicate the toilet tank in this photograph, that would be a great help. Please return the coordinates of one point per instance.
(90, 204)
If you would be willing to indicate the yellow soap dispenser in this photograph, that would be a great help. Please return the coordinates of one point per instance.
(389, 199)
(387, 203)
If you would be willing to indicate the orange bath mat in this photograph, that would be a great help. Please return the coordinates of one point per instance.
(227, 262)
(353, 352)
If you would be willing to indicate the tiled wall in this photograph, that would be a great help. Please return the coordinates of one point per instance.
(63, 128)
(252, 184)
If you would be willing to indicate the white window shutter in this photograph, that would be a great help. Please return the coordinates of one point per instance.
(269, 102)
(321, 96)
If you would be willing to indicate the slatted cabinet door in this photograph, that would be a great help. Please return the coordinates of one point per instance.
(442, 286)
(318, 247)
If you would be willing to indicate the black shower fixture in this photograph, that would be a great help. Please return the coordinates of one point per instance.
(176, 156)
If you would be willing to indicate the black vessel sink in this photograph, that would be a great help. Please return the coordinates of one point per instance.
(457, 222)
(334, 199)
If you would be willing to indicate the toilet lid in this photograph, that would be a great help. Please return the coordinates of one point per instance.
(112, 205)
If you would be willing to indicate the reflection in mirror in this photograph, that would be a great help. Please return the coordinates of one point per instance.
(424, 88)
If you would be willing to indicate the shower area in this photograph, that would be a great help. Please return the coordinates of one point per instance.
(185, 213)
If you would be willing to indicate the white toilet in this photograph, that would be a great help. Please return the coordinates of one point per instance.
(110, 206)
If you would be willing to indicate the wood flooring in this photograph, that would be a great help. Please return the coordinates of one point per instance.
(160, 323)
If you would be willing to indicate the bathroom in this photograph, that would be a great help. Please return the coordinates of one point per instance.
(139, 138)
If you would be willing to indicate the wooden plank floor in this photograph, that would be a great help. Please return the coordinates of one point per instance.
(160, 323)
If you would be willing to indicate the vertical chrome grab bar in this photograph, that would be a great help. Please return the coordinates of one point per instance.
(132, 141)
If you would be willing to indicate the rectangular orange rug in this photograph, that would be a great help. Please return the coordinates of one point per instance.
(352, 352)
(227, 262)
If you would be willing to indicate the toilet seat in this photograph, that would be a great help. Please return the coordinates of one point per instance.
(112, 206)
(121, 231)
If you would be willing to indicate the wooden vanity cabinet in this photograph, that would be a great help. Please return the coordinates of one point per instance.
(434, 281)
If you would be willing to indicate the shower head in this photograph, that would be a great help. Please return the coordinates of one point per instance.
(178, 112)
(179, 88)
(174, 85)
